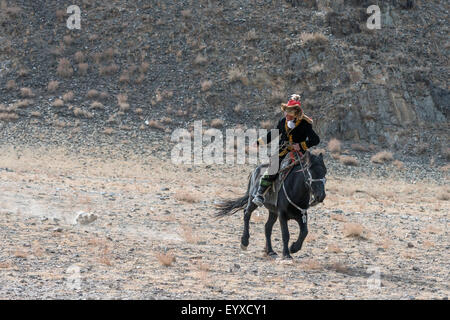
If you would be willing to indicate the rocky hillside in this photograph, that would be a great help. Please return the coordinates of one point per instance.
(228, 64)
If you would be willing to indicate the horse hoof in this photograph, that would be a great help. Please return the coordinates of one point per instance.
(287, 257)
(293, 249)
(272, 255)
(243, 247)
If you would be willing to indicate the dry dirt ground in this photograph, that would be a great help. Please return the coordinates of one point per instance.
(155, 237)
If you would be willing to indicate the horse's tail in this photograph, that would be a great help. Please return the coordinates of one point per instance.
(230, 207)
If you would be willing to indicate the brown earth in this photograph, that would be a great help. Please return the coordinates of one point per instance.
(155, 236)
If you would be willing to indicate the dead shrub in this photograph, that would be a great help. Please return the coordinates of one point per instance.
(8, 116)
(108, 70)
(266, 124)
(185, 196)
(359, 147)
(58, 103)
(165, 259)
(83, 68)
(398, 164)
(334, 146)
(11, 84)
(200, 59)
(79, 57)
(52, 86)
(206, 85)
(68, 96)
(349, 161)
(217, 123)
(68, 40)
(26, 92)
(108, 131)
(78, 112)
(382, 157)
(155, 124)
(92, 94)
(314, 38)
(353, 230)
(64, 68)
(237, 74)
(97, 105)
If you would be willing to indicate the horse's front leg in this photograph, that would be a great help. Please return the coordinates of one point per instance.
(247, 215)
(268, 232)
(302, 221)
(285, 235)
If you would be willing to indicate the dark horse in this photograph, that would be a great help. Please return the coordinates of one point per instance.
(304, 186)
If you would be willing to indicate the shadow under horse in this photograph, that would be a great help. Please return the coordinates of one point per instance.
(301, 188)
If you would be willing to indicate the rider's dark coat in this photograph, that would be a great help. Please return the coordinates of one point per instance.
(302, 133)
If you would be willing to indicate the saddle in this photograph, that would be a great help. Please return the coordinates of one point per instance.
(271, 195)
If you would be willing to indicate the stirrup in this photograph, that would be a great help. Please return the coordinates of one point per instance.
(258, 200)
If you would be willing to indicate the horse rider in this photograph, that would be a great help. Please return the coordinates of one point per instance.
(295, 132)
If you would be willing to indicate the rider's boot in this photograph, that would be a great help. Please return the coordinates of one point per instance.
(259, 198)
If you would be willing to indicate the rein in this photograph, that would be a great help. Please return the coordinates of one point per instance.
(308, 182)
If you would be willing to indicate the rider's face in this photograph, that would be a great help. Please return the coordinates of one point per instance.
(289, 116)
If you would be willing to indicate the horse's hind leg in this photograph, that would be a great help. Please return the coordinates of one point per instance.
(268, 231)
(297, 245)
(247, 215)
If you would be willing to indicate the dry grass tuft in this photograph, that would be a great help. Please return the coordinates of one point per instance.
(64, 68)
(97, 105)
(108, 70)
(334, 146)
(26, 92)
(165, 259)
(200, 59)
(52, 86)
(83, 68)
(189, 235)
(349, 161)
(333, 248)
(382, 157)
(338, 217)
(314, 38)
(58, 103)
(217, 123)
(108, 131)
(11, 85)
(311, 265)
(398, 164)
(68, 96)
(339, 267)
(237, 74)
(8, 116)
(155, 124)
(92, 94)
(122, 102)
(79, 57)
(206, 85)
(354, 230)
(359, 147)
(78, 112)
(185, 196)
(266, 124)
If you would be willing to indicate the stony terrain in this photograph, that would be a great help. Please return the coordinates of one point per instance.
(92, 207)
(155, 236)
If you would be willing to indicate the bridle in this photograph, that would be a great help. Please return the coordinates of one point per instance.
(308, 183)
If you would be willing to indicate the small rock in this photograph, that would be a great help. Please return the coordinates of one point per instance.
(85, 217)
(58, 229)
(410, 245)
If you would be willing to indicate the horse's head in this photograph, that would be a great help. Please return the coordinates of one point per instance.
(316, 180)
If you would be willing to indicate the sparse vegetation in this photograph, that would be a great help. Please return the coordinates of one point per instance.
(64, 68)
(382, 157)
(334, 146)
